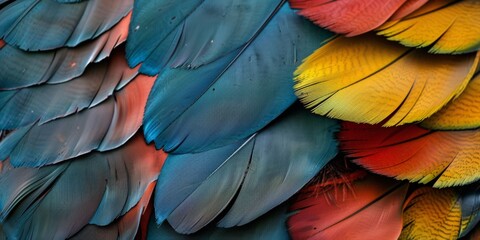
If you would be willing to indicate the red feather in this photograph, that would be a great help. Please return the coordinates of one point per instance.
(350, 17)
(367, 209)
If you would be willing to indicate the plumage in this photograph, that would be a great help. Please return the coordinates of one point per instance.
(371, 206)
(268, 226)
(59, 65)
(226, 179)
(124, 227)
(431, 214)
(461, 113)
(110, 124)
(47, 102)
(446, 158)
(352, 17)
(34, 24)
(246, 88)
(94, 187)
(444, 26)
(95, 93)
(370, 80)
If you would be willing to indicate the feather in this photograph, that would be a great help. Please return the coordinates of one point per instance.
(470, 205)
(46, 102)
(193, 33)
(408, 7)
(431, 214)
(461, 113)
(349, 17)
(63, 198)
(27, 24)
(103, 127)
(124, 227)
(234, 96)
(449, 158)
(194, 189)
(443, 27)
(269, 226)
(367, 79)
(370, 208)
(59, 65)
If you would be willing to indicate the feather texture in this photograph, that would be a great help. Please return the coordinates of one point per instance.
(449, 158)
(367, 79)
(194, 189)
(370, 206)
(123, 228)
(27, 24)
(269, 226)
(193, 33)
(442, 26)
(63, 198)
(461, 113)
(52, 101)
(110, 124)
(59, 65)
(245, 89)
(349, 17)
(431, 214)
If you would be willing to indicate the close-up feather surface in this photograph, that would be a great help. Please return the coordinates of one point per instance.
(239, 119)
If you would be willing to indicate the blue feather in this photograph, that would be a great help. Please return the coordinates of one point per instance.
(21, 68)
(34, 24)
(269, 226)
(254, 175)
(197, 109)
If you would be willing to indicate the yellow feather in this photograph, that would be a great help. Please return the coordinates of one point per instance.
(461, 113)
(370, 80)
(432, 214)
(446, 27)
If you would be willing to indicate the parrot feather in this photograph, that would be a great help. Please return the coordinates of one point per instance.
(370, 80)
(283, 157)
(445, 27)
(110, 124)
(269, 226)
(188, 38)
(82, 186)
(46, 102)
(448, 158)
(349, 17)
(372, 206)
(123, 228)
(59, 65)
(33, 24)
(431, 214)
(461, 113)
(236, 95)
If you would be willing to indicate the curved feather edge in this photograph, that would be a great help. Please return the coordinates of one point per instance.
(460, 113)
(28, 24)
(248, 88)
(269, 226)
(371, 206)
(194, 189)
(351, 18)
(445, 27)
(55, 202)
(431, 213)
(47, 102)
(193, 33)
(446, 158)
(103, 127)
(123, 228)
(366, 79)
(59, 65)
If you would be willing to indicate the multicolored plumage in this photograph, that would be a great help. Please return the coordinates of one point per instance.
(239, 119)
